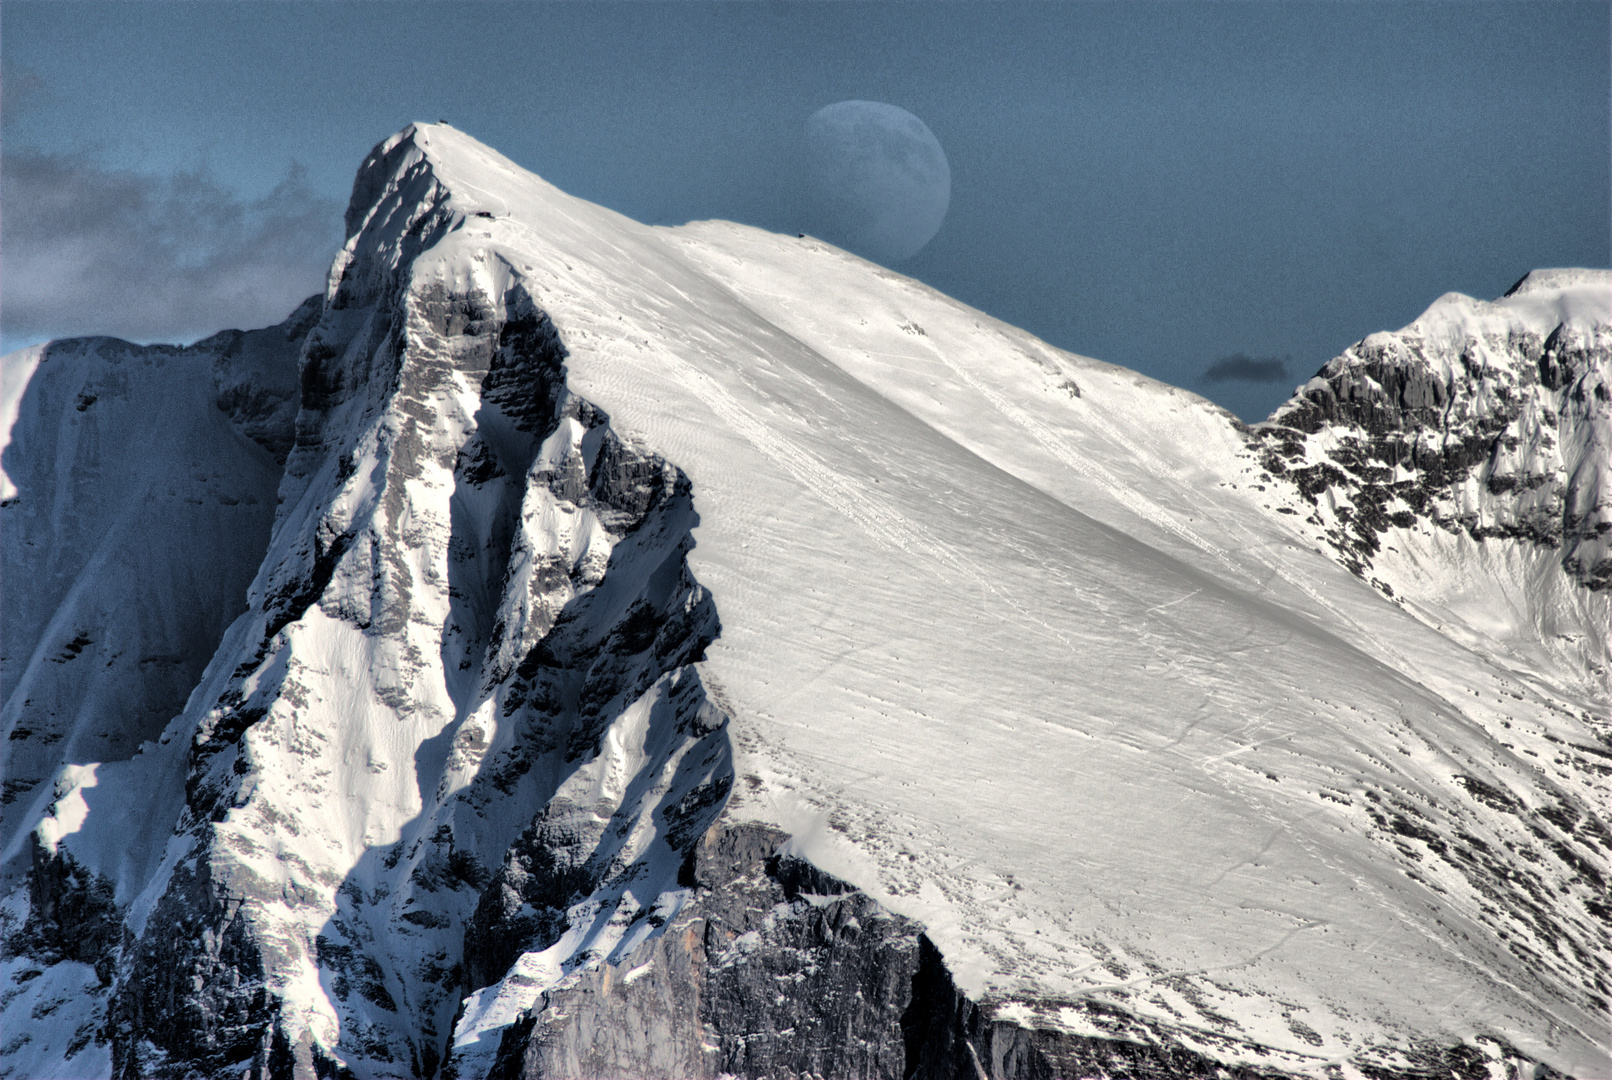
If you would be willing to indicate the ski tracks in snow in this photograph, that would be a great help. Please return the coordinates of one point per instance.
(885, 525)
(1059, 448)
(887, 528)
(1152, 512)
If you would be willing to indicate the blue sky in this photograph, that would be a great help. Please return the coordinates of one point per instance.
(1170, 187)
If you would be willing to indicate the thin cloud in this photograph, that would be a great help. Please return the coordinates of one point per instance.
(1240, 367)
(89, 250)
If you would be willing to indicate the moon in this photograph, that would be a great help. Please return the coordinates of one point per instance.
(876, 178)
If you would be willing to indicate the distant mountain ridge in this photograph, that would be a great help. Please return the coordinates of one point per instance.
(696, 652)
(1488, 418)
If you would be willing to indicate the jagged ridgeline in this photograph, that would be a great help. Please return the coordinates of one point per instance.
(1470, 419)
(569, 648)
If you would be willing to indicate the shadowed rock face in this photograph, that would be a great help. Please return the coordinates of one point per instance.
(774, 970)
(1491, 435)
(191, 996)
(71, 914)
(145, 488)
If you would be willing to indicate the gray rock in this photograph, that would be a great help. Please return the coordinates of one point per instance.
(774, 970)
(1391, 432)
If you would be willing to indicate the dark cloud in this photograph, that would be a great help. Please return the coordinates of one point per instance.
(89, 250)
(1240, 367)
(20, 91)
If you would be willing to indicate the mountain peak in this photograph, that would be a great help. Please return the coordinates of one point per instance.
(477, 178)
(655, 618)
(1556, 280)
(417, 149)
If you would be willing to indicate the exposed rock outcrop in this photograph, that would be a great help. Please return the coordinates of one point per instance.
(1488, 420)
(72, 914)
(773, 969)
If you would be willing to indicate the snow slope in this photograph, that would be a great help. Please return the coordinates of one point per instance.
(592, 529)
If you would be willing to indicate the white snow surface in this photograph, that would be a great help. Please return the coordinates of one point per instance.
(1012, 639)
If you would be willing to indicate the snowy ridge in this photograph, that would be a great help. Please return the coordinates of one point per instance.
(1019, 646)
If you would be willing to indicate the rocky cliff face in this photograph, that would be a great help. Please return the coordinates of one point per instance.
(483, 779)
(560, 621)
(468, 553)
(1487, 420)
(138, 495)
(772, 969)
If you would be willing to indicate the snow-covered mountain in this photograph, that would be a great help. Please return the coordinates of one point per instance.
(696, 651)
